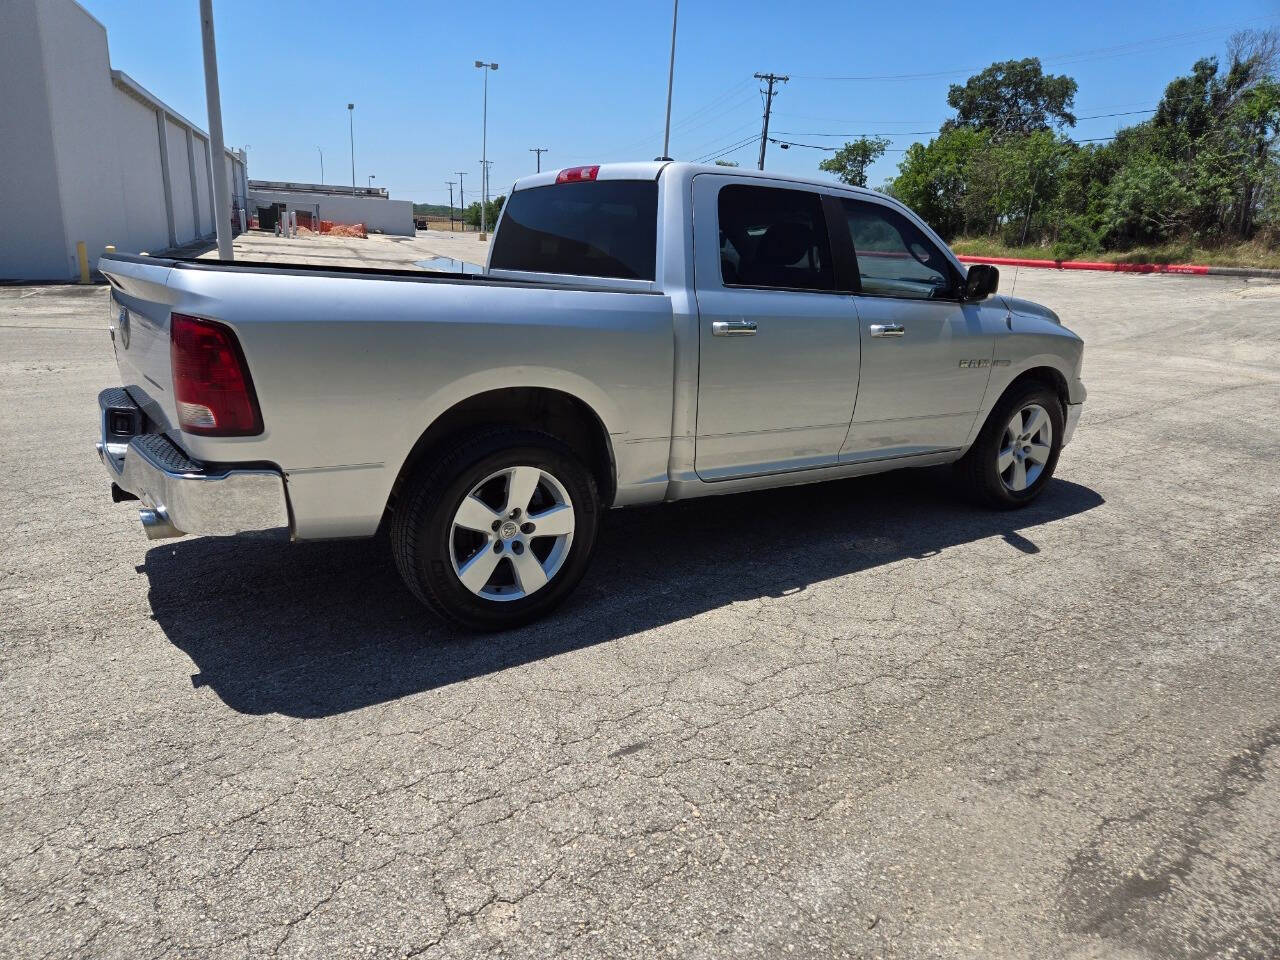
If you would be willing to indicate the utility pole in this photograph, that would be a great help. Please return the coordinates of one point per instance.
(351, 116)
(539, 151)
(462, 202)
(217, 149)
(671, 76)
(771, 79)
(449, 184)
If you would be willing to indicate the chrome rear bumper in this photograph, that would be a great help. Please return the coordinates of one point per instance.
(178, 494)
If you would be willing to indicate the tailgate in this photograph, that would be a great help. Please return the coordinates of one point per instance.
(139, 311)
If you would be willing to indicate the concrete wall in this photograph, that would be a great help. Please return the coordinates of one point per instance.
(32, 237)
(184, 223)
(203, 182)
(86, 154)
(141, 181)
(376, 213)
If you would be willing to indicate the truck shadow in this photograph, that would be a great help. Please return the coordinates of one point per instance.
(315, 629)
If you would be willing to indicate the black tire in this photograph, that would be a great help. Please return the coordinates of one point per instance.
(422, 532)
(978, 469)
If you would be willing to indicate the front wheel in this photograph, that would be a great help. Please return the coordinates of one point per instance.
(1017, 450)
(499, 532)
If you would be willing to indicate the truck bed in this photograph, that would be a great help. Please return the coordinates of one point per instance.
(350, 365)
(375, 273)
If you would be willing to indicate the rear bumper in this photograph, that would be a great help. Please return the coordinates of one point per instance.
(178, 494)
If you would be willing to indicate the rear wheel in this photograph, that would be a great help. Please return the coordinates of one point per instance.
(1017, 450)
(499, 532)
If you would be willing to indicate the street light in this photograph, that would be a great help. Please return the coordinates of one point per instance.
(321, 152)
(484, 147)
(351, 117)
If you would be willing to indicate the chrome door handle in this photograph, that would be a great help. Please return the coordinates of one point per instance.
(887, 329)
(733, 328)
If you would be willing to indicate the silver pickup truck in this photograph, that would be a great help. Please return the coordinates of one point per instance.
(641, 332)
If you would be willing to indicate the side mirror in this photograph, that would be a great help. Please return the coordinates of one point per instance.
(981, 282)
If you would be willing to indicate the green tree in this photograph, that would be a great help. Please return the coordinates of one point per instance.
(851, 161)
(472, 213)
(934, 180)
(1013, 97)
(1147, 201)
(1205, 168)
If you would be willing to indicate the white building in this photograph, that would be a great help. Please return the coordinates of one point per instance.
(371, 206)
(86, 154)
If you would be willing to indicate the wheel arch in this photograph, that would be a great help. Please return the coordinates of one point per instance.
(556, 412)
(1043, 370)
(1046, 374)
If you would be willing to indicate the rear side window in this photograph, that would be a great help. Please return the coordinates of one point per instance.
(772, 237)
(598, 228)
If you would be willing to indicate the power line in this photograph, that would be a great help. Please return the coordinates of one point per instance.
(786, 144)
(909, 133)
(1076, 56)
(726, 150)
(712, 145)
(715, 101)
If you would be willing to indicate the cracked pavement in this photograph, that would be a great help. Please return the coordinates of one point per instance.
(871, 722)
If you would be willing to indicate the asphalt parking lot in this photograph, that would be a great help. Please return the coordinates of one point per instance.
(854, 720)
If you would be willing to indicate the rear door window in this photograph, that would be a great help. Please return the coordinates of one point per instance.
(598, 228)
(774, 238)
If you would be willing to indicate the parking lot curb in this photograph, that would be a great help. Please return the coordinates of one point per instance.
(1185, 268)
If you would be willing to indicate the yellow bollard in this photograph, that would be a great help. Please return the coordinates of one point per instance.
(83, 256)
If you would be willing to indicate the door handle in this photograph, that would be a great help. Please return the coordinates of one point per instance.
(733, 328)
(887, 329)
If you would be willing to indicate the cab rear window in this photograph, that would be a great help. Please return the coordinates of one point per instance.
(598, 228)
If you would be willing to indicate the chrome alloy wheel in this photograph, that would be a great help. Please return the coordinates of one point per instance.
(511, 534)
(1025, 448)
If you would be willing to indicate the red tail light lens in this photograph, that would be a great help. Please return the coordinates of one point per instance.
(211, 380)
(577, 174)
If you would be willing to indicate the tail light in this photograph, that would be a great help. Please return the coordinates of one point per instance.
(577, 174)
(211, 381)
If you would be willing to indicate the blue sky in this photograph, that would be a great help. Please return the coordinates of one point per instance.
(588, 80)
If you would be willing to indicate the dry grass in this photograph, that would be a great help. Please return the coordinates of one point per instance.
(1253, 254)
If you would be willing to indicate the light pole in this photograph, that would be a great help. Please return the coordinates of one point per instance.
(484, 146)
(217, 148)
(351, 118)
(321, 152)
(671, 75)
